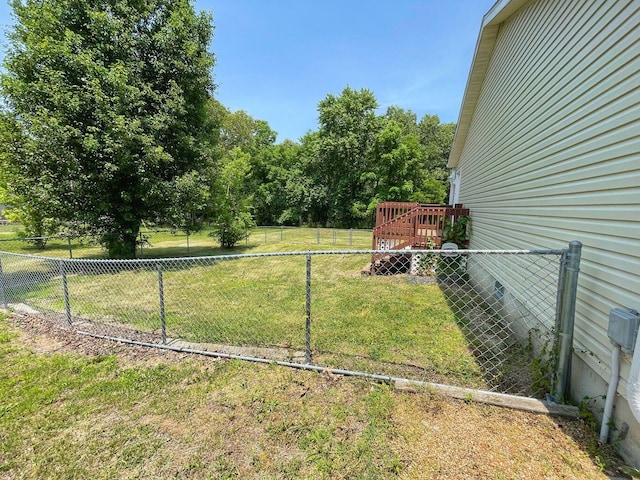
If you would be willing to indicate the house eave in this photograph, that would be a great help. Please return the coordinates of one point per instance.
(485, 45)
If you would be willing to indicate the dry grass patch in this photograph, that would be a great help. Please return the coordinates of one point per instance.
(94, 409)
(458, 440)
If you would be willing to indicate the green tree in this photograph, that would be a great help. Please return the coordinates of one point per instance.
(307, 191)
(406, 119)
(31, 210)
(348, 128)
(113, 97)
(234, 204)
(255, 139)
(437, 139)
(190, 203)
(271, 178)
(399, 170)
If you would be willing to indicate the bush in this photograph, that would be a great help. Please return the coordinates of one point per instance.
(230, 229)
(458, 232)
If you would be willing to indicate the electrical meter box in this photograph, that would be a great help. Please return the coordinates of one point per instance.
(623, 328)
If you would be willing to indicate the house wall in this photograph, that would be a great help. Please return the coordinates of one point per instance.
(552, 154)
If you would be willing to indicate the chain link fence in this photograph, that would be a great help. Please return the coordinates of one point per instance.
(164, 242)
(479, 319)
(357, 238)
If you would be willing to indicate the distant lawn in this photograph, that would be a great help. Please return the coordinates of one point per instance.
(162, 243)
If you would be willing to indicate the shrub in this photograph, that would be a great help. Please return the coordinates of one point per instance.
(230, 228)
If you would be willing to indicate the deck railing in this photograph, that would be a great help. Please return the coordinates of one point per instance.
(401, 225)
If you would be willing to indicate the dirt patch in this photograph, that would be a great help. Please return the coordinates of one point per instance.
(49, 334)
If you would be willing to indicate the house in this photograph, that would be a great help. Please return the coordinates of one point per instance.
(547, 150)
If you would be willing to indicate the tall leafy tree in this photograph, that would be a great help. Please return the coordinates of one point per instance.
(112, 97)
(399, 170)
(234, 219)
(437, 139)
(29, 209)
(191, 204)
(348, 128)
(271, 176)
(307, 191)
(242, 136)
(406, 119)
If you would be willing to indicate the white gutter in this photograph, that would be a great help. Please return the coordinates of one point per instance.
(611, 394)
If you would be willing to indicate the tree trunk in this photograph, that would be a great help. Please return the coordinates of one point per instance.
(122, 243)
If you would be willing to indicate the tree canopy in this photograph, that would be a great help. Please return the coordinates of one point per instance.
(108, 120)
(107, 103)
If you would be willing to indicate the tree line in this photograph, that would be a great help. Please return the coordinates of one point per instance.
(109, 120)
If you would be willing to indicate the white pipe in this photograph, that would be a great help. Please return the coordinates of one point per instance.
(633, 385)
(611, 393)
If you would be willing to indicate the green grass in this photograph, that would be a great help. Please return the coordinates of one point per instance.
(162, 243)
(142, 414)
(69, 416)
(379, 324)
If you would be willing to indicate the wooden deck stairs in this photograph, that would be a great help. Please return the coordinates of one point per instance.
(407, 226)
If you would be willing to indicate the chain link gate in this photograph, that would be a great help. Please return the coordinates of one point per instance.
(469, 318)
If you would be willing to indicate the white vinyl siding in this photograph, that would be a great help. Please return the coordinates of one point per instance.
(552, 153)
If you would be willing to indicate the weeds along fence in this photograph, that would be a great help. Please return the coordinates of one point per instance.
(480, 319)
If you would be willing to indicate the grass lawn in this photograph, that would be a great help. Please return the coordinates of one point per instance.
(385, 325)
(75, 407)
(378, 324)
(162, 243)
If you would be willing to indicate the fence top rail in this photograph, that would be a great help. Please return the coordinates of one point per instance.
(156, 261)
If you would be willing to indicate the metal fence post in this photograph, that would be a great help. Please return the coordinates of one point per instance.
(350, 236)
(281, 229)
(307, 352)
(565, 312)
(3, 289)
(65, 292)
(70, 250)
(163, 322)
(265, 234)
(318, 236)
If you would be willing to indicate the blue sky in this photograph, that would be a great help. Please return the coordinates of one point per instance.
(277, 59)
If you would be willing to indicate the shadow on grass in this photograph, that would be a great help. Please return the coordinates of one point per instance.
(507, 364)
(20, 285)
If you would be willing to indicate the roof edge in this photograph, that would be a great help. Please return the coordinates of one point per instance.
(485, 45)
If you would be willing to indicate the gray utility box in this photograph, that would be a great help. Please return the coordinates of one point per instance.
(623, 328)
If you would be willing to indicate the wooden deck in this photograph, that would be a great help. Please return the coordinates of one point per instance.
(405, 225)
(412, 225)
